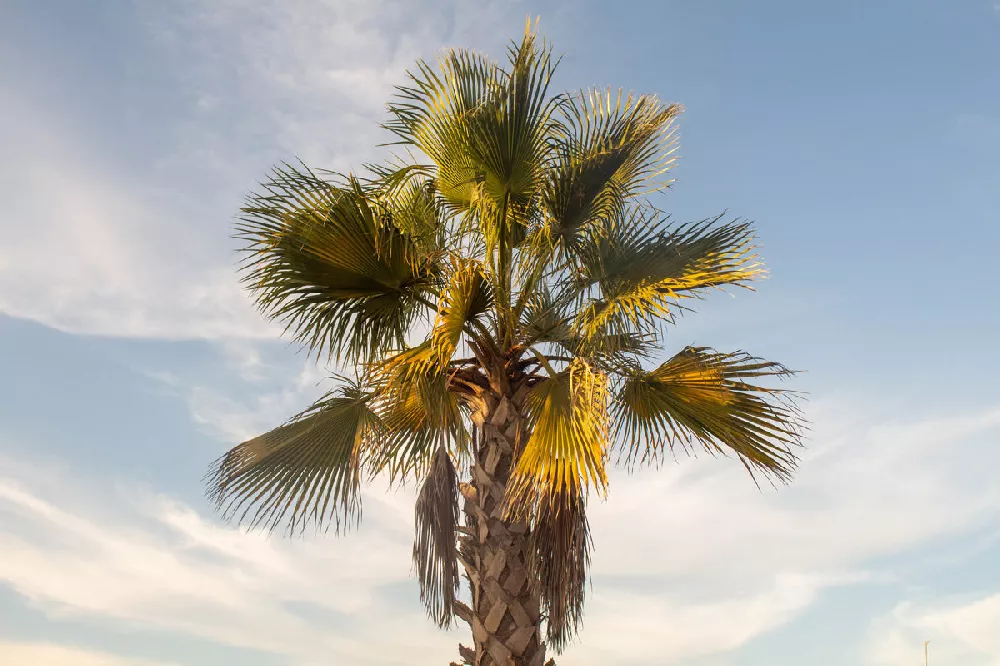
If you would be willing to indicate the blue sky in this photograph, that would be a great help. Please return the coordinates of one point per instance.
(860, 136)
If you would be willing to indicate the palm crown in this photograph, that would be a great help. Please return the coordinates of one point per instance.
(501, 291)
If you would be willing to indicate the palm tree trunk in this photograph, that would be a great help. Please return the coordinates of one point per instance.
(506, 609)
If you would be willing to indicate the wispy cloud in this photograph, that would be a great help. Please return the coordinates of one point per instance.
(698, 541)
(93, 250)
(637, 627)
(864, 489)
(166, 568)
(276, 392)
(49, 654)
(110, 243)
(961, 632)
(665, 545)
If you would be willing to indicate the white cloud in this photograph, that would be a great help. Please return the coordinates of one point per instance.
(164, 567)
(862, 491)
(959, 633)
(48, 654)
(245, 358)
(281, 391)
(89, 249)
(98, 241)
(168, 568)
(690, 561)
(694, 560)
(634, 628)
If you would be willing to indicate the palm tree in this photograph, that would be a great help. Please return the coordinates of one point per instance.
(500, 290)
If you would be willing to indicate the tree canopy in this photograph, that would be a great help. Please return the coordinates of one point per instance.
(509, 254)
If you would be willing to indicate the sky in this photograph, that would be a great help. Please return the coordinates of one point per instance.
(860, 136)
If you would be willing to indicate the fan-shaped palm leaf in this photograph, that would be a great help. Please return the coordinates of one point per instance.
(642, 271)
(330, 266)
(485, 128)
(566, 451)
(419, 412)
(610, 148)
(700, 397)
(433, 114)
(467, 295)
(305, 472)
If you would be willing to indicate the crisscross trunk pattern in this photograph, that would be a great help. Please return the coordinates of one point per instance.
(497, 555)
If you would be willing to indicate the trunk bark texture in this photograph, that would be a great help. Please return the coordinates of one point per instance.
(506, 609)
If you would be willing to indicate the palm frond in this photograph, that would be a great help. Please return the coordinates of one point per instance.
(485, 128)
(609, 149)
(331, 266)
(511, 142)
(304, 472)
(562, 547)
(544, 318)
(397, 175)
(419, 411)
(435, 547)
(416, 211)
(700, 397)
(467, 295)
(566, 451)
(642, 270)
(433, 114)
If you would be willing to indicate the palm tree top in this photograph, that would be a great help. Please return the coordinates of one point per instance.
(506, 266)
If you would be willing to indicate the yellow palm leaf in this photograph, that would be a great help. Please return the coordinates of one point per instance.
(642, 272)
(467, 295)
(566, 451)
(418, 412)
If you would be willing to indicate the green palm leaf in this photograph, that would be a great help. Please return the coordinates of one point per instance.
(434, 112)
(306, 471)
(485, 128)
(610, 148)
(467, 295)
(329, 264)
(700, 396)
(415, 208)
(641, 270)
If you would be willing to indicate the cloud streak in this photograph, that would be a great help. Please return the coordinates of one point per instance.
(166, 568)
(961, 632)
(664, 568)
(49, 654)
(110, 243)
(697, 549)
(94, 251)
